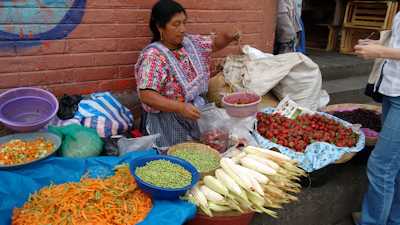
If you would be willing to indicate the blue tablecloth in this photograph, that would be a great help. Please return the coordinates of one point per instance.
(16, 185)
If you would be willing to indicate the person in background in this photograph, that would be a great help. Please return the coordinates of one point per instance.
(288, 26)
(172, 74)
(381, 204)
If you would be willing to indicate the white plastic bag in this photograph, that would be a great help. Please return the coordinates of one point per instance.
(214, 127)
(302, 84)
(254, 53)
(126, 145)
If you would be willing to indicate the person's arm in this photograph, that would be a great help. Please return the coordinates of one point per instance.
(375, 51)
(391, 53)
(163, 104)
(222, 40)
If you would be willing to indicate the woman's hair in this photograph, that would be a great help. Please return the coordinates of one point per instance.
(161, 14)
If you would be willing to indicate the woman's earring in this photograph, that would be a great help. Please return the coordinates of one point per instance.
(161, 36)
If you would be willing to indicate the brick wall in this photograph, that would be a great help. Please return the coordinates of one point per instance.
(83, 46)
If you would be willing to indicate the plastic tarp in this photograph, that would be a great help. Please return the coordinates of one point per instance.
(16, 185)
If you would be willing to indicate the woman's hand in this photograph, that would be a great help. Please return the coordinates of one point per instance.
(189, 111)
(369, 51)
(237, 36)
(225, 38)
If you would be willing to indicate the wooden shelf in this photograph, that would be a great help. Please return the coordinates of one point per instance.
(370, 14)
(351, 36)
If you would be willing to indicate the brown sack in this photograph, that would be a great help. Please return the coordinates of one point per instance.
(217, 88)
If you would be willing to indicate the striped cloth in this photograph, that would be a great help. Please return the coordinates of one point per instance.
(173, 128)
(390, 84)
(104, 113)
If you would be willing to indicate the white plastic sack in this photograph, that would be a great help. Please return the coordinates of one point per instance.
(254, 53)
(292, 74)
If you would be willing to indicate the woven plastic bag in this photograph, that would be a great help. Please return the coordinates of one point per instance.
(78, 141)
(104, 113)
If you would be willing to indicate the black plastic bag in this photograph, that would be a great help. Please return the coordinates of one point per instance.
(111, 146)
(68, 106)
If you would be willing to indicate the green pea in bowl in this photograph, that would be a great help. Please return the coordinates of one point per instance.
(164, 177)
(203, 157)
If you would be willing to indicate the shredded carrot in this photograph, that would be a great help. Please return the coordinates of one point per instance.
(113, 201)
(17, 151)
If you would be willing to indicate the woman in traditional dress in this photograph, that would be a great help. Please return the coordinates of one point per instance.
(172, 74)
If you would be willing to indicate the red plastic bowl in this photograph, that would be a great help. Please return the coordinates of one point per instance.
(223, 219)
(241, 104)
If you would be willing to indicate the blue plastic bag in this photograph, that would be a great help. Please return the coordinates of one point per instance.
(104, 113)
(318, 154)
(17, 185)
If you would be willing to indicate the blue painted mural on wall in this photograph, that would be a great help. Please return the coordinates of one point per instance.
(28, 22)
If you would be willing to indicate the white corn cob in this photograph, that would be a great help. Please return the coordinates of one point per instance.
(254, 183)
(261, 178)
(265, 161)
(228, 182)
(241, 179)
(211, 195)
(267, 152)
(257, 166)
(218, 208)
(215, 185)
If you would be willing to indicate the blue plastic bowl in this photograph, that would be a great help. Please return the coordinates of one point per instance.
(158, 192)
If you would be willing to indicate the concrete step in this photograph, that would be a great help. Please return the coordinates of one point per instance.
(352, 96)
(335, 66)
(344, 76)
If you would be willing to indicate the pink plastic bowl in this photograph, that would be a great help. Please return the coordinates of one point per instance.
(241, 104)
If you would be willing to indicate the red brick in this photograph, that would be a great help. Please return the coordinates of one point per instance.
(91, 45)
(223, 16)
(117, 85)
(9, 65)
(126, 71)
(102, 30)
(132, 44)
(136, 4)
(81, 31)
(35, 78)
(7, 49)
(81, 88)
(130, 30)
(46, 48)
(52, 62)
(103, 16)
(110, 31)
(94, 73)
(137, 16)
(91, 87)
(9, 80)
(53, 47)
(105, 46)
(119, 58)
(216, 4)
